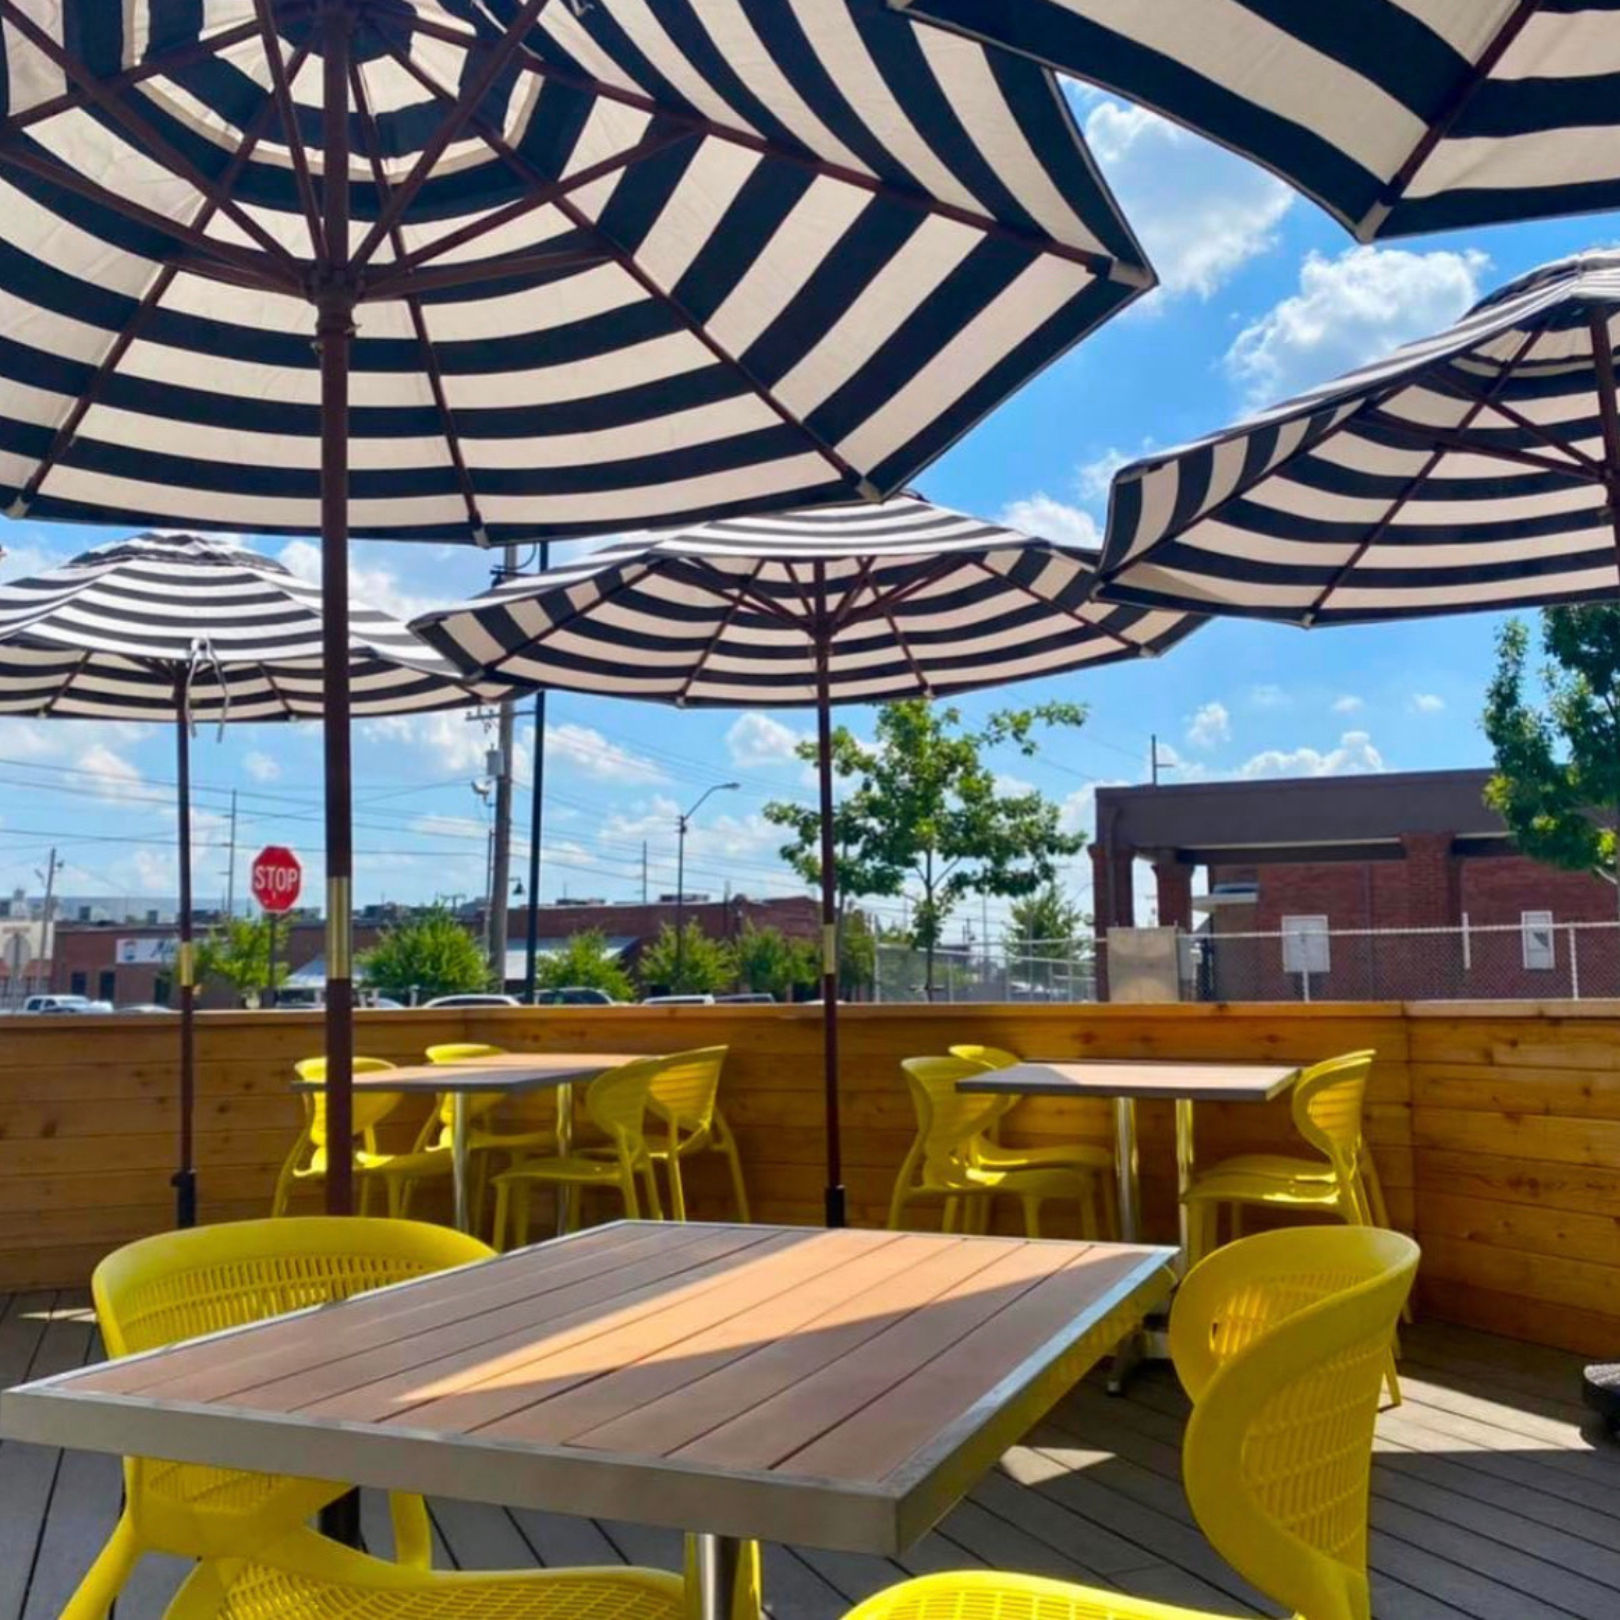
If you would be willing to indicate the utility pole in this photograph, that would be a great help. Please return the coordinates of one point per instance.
(537, 819)
(500, 864)
(1153, 744)
(47, 940)
(643, 871)
(680, 878)
(230, 870)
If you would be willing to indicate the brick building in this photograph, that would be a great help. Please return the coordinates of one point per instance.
(1398, 886)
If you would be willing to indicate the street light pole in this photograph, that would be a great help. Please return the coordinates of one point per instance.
(680, 877)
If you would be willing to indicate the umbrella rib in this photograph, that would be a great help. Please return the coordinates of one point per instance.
(463, 109)
(863, 577)
(1099, 264)
(64, 436)
(626, 262)
(1608, 410)
(734, 606)
(381, 288)
(532, 199)
(1582, 468)
(185, 56)
(430, 360)
(151, 142)
(1343, 571)
(1533, 428)
(1137, 648)
(281, 93)
(49, 706)
(1440, 126)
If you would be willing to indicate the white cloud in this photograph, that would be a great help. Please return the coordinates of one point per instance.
(455, 740)
(1095, 478)
(756, 741)
(438, 825)
(377, 587)
(1349, 703)
(1269, 696)
(587, 751)
(1355, 756)
(112, 776)
(1049, 519)
(1349, 310)
(1012, 787)
(261, 767)
(1174, 766)
(1201, 213)
(1210, 726)
(1428, 702)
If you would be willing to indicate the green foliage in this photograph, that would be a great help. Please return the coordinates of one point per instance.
(429, 955)
(1557, 781)
(585, 960)
(238, 954)
(857, 956)
(706, 965)
(921, 807)
(766, 959)
(1047, 937)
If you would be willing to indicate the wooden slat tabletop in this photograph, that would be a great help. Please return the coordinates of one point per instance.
(1198, 1082)
(506, 1071)
(840, 1389)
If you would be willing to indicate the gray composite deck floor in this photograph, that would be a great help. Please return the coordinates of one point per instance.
(1492, 1501)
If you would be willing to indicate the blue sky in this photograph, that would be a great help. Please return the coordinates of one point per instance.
(1262, 295)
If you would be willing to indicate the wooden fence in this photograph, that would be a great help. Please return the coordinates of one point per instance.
(1496, 1127)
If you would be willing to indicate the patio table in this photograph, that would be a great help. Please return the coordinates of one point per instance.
(837, 1389)
(514, 1072)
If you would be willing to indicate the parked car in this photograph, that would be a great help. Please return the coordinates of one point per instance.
(474, 999)
(574, 995)
(144, 1007)
(747, 998)
(64, 1004)
(677, 1001)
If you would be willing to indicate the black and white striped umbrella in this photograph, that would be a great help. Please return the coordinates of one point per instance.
(1398, 116)
(1472, 470)
(571, 266)
(850, 603)
(180, 629)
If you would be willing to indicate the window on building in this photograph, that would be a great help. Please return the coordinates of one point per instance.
(78, 984)
(1539, 947)
(107, 985)
(1305, 945)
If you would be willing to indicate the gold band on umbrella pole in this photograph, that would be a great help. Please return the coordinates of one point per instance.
(829, 948)
(339, 933)
(185, 964)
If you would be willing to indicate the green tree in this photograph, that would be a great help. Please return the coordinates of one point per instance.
(585, 960)
(857, 956)
(428, 955)
(768, 960)
(238, 954)
(1046, 936)
(706, 965)
(1557, 780)
(920, 806)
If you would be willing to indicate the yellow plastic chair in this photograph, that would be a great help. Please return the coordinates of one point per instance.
(685, 1095)
(1327, 1105)
(945, 1161)
(992, 1154)
(616, 1104)
(437, 1133)
(1281, 1340)
(179, 1285)
(304, 1577)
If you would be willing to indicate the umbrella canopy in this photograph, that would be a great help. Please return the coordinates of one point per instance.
(1476, 469)
(1396, 117)
(569, 267)
(850, 603)
(175, 628)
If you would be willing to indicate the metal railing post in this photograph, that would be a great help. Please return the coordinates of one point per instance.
(1574, 967)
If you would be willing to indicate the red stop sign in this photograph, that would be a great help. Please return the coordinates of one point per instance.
(277, 878)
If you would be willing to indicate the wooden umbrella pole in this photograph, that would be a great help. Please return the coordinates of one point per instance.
(184, 1180)
(334, 336)
(837, 1214)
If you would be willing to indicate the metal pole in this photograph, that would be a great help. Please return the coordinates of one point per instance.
(270, 963)
(184, 1179)
(1574, 968)
(537, 809)
(47, 937)
(835, 1200)
(500, 861)
(230, 870)
(334, 336)
(680, 905)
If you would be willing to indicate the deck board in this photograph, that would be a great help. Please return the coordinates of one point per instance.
(1491, 1500)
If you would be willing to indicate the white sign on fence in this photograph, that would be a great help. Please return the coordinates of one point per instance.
(1305, 945)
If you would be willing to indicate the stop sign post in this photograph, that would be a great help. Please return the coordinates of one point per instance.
(277, 880)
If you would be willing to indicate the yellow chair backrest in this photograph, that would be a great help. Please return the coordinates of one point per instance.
(993, 1057)
(1327, 1103)
(178, 1285)
(370, 1107)
(684, 1089)
(1283, 1339)
(948, 1119)
(617, 1103)
(479, 1103)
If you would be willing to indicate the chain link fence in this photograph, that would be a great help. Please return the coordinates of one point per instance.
(1539, 958)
